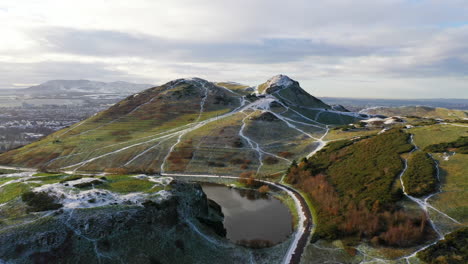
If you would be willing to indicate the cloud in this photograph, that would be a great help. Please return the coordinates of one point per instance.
(113, 43)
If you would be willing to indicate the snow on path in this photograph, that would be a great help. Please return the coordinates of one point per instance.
(456, 125)
(25, 176)
(254, 145)
(146, 151)
(82, 163)
(121, 143)
(179, 138)
(72, 127)
(261, 104)
(322, 144)
(423, 203)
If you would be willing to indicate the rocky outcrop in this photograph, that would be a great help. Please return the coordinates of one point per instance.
(115, 234)
(289, 92)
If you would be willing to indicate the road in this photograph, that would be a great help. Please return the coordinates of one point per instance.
(304, 226)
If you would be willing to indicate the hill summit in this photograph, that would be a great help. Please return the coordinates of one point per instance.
(192, 125)
(290, 92)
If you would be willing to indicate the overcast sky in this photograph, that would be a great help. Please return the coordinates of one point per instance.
(353, 48)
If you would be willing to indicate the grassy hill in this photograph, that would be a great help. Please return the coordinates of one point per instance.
(191, 125)
(420, 111)
(353, 184)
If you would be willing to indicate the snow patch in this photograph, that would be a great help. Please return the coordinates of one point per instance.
(71, 197)
(158, 180)
(279, 80)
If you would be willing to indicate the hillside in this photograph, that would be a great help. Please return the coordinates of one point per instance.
(192, 125)
(420, 111)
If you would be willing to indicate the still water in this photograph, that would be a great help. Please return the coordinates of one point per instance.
(248, 215)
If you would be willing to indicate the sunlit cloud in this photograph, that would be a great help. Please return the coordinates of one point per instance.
(389, 48)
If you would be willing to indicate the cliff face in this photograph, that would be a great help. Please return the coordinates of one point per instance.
(154, 232)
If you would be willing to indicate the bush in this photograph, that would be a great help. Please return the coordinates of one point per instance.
(351, 183)
(285, 154)
(452, 249)
(40, 201)
(247, 178)
(264, 189)
(255, 243)
(270, 160)
(460, 145)
(420, 178)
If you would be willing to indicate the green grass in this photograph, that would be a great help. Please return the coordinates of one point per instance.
(421, 111)
(454, 174)
(289, 202)
(420, 177)
(372, 164)
(12, 191)
(7, 171)
(238, 88)
(340, 135)
(126, 184)
(165, 113)
(429, 135)
(460, 146)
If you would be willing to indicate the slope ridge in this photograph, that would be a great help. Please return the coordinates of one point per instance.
(192, 125)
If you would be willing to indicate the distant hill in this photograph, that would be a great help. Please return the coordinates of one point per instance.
(357, 104)
(193, 125)
(85, 87)
(420, 111)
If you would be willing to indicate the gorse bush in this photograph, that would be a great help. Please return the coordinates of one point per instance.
(352, 184)
(452, 249)
(420, 177)
(40, 201)
(460, 145)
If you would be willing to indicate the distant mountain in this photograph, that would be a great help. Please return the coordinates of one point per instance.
(357, 104)
(193, 125)
(420, 111)
(86, 87)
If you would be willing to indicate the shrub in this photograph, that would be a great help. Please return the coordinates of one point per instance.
(40, 201)
(255, 243)
(270, 160)
(285, 154)
(460, 145)
(247, 178)
(420, 177)
(452, 249)
(352, 186)
(264, 189)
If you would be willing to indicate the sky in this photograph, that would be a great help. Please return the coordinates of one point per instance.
(338, 48)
